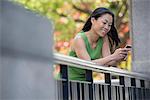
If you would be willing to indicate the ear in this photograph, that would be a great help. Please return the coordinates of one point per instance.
(92, 20)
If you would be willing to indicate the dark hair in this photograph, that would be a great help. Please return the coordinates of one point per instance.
(112, 34)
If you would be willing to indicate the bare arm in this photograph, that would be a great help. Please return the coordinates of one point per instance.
(80, 49)
(106, 51)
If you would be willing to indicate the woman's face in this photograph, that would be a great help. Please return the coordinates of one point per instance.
(102, 25)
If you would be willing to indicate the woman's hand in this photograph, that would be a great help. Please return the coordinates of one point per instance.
(120, 54)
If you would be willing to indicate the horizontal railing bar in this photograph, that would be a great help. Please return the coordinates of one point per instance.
(80, 81)
(79, 63)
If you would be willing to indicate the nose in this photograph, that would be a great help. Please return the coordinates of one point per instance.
(107, 27)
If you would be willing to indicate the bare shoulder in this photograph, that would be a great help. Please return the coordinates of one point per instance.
(78, 36)
(79, 47)
(78, 42)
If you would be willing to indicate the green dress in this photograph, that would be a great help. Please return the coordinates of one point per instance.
(78, 73)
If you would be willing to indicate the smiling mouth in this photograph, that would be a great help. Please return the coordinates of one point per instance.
(103, 33)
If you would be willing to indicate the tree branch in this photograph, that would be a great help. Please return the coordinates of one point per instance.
(119, 18)
(63, 15)
(87, 11)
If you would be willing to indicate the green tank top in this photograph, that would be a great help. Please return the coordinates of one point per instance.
(78, 73)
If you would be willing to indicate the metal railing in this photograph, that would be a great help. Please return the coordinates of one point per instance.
(126, 85)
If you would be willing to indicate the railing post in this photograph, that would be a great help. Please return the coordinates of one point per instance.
(133, 88)
(65, 85)
(147, 89)
(122, 82)
(108, 81)
(89, 78)
(142, 90)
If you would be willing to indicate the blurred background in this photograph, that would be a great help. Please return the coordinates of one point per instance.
(68, 17)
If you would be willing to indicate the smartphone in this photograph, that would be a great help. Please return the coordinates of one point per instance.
(128, 46)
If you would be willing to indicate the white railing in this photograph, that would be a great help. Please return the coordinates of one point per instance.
(128, 85)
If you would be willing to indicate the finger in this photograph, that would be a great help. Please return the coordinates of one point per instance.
(124, 52)
(125, 58)
(126, 49)
(122, 55)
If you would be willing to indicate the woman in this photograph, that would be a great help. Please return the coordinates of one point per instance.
(94, 43)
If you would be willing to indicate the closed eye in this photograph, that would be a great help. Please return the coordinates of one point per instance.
(110, 25)
(104, 23)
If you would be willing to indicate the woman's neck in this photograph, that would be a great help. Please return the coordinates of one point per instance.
(92, 36)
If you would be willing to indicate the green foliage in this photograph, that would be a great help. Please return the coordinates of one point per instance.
(69, 15)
